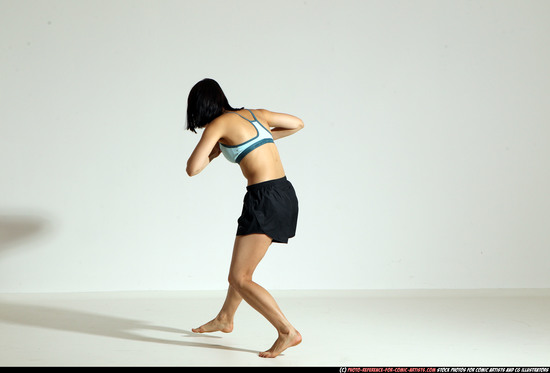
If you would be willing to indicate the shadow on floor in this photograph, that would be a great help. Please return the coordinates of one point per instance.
(97, 324)
(16, 229)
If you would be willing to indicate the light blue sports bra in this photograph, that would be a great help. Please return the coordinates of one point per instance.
(235, 153)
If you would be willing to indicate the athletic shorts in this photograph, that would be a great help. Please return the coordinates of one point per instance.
(271, 208)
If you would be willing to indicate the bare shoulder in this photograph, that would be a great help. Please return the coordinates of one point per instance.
(218, 125)
(280, 120)
(263, 113)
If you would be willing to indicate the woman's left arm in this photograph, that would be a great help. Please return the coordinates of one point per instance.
(206, 150)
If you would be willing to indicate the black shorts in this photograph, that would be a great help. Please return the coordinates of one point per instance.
(271, 208)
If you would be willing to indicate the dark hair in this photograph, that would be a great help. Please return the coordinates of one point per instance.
(205, 103)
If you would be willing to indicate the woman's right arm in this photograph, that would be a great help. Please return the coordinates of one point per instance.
(282, 125)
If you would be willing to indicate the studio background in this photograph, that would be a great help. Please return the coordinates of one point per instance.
(424, 162)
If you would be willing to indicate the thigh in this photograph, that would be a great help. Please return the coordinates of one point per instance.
(247, 253)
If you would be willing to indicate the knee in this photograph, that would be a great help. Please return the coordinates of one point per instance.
(238, 281)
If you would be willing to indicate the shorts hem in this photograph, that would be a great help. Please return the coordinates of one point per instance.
(273, 239)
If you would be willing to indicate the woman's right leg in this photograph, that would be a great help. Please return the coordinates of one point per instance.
(247, 254)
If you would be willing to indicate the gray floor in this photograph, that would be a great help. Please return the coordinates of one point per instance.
(340, 328)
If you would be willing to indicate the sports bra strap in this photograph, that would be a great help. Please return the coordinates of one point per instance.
(250, 111)
(253, 116)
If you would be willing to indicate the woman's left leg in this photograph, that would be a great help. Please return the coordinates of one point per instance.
(223, 322)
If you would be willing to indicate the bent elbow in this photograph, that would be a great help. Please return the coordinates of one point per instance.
(191, 171)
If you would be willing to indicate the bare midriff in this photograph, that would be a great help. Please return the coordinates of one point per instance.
(262, 164)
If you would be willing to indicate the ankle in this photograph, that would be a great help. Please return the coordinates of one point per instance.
(286, 330)
(224, 317)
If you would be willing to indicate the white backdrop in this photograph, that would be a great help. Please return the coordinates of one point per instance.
(424, 162)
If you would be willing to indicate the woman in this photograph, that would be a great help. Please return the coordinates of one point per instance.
(270, 208)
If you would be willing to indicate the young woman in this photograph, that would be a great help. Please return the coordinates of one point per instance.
(270, 210)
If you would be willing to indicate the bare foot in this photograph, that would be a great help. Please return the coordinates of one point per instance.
(282, 343)
(215, 325)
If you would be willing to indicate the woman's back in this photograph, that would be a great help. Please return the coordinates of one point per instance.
(248, 131)
(235, 129)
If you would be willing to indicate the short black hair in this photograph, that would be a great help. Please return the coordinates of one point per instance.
(205, 103)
